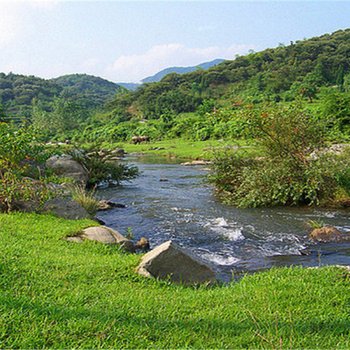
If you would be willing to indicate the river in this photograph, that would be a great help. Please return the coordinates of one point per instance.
(172, 201)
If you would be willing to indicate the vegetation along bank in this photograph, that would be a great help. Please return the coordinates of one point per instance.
(267, 121)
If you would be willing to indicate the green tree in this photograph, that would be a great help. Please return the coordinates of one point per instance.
(340, 77)
(2, 113)
(63, 117)
(336, 109)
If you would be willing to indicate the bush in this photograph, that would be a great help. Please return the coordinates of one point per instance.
(291, 173)
(16, 190)
(18, 145)
(100, 168)
(336, 109)
(20, 153)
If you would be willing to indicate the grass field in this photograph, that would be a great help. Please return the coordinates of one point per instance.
(58, 294)
(185, 149)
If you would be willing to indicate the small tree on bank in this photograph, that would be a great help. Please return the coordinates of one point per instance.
(293, 170)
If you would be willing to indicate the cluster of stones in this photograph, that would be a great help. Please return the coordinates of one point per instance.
(166, 261)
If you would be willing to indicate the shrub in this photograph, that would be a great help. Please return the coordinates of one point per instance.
(290, 173)
(101, 168)
(15, 190)
(336, 109)
(18, 145)
(20, 153)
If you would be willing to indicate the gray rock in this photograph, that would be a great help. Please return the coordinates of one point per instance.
(335, 149)
(142, 244)
(169, 261)
(66, 166)
(104, 205)
(65, 208)
(28, 206)
(196, 162)
(106, 235)
(118, 152)
(75, 239)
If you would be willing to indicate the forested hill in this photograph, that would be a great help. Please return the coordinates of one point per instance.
(276, 74)
(94, 91)
(17, 92)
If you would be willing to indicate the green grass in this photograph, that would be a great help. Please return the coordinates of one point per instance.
(185, 149)
(58, 294)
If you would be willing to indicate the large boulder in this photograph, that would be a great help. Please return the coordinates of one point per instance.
(169, 261)
(65, 208)
(328, 234)
(25, 206)
(103, 234)
(66, 166)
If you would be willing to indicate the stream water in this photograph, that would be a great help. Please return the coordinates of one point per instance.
(172, 201)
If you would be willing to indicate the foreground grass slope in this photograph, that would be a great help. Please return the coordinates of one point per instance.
(64, 295)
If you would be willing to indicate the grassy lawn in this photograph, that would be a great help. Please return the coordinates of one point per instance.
(186, 149)
(57, 294)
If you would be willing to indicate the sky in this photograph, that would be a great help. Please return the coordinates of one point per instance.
(126, 41)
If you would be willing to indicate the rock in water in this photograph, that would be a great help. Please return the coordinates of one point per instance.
(196, 162)
(169, 261)
(106, 205)
(328, 234)
(142, 244)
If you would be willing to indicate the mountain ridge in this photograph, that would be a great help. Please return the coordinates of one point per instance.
(283, 73)
(181, 70)
(17, 91)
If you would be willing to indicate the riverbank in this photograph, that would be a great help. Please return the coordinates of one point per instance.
(185, 149)
(59, 294)
(172, 201)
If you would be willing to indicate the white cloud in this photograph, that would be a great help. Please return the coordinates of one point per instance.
(138, 66)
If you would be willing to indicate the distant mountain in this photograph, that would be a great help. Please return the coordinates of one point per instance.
(283, 73)
(180, 70)
(18, 91)
(130, 86)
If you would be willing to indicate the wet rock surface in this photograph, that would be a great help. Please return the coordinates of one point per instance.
(328, 234)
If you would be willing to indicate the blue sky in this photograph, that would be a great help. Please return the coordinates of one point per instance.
(128, 40)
